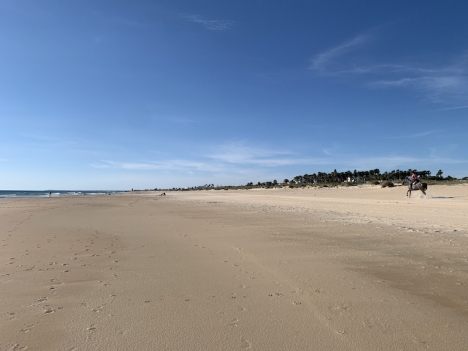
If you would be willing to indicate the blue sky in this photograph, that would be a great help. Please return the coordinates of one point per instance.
(144, 94)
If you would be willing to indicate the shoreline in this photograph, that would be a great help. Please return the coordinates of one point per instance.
(27, 194)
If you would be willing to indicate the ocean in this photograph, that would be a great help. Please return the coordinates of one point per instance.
(52, 193)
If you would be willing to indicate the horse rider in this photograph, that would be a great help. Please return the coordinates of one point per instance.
(414, 179)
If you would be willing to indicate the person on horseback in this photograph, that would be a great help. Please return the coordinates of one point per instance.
(414, 179)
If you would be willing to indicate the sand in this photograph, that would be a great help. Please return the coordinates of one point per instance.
(281, 269)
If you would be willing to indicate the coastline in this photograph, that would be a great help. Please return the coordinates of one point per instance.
(347, 268)
(8, 194)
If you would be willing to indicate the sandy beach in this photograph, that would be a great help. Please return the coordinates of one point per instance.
(359, 268)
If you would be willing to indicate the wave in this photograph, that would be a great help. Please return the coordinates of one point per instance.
(52, 193)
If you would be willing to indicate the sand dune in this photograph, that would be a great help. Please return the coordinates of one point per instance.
(285, 269)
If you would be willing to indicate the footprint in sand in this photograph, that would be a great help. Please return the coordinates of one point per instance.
(27, 329)
(97, 309)
(245, 344)
(48, 310)
(17, 347)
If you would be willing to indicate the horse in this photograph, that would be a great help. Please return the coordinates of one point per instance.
(416, 186)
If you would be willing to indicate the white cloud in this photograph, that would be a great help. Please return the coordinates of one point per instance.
(322, 62)
(436, 84)
(217, 25)
(99, 166)
(239, 153)
(444, 84)
(230, 158)
(415, 135)
(437, 89)
(393, 83)
(453, 108)
(168, 165)
(185, 173)
(240, 162)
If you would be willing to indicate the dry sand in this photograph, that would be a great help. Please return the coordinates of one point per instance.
(286, 269)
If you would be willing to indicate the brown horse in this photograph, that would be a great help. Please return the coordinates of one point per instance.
(416, 186)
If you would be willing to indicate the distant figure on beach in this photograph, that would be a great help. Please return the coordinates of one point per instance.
(414, 184)
(415, 179)
(163, 194)
(50, 193)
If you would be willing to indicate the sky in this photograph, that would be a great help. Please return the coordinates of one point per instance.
(176, 93)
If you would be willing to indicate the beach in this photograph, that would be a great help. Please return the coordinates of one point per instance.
(358, 268)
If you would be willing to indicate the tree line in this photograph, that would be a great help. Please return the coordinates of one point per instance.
(356, 176)
(349, 177)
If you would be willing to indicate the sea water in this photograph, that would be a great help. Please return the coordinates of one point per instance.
(52, 193)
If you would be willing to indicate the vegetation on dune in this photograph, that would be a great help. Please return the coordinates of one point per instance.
(335, 179)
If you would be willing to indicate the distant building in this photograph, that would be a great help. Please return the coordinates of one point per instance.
(356, 180)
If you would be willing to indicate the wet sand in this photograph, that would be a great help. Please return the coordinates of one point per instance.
(284, 269)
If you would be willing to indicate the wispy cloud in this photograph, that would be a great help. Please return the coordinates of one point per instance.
(437, 88)
(240, 162)
(235, 157)
(217, 25)
(100, 165)
(415, 135)
(167, 165)
(453, 108)
(326, 61)
(331, 150)
(437, 83)
(394, 83)
(241, 158)
(240, 153)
